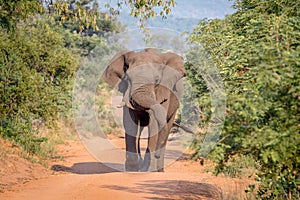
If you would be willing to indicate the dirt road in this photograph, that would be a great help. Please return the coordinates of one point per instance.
(80, 176)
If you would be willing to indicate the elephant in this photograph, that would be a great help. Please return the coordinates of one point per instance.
(151, 83)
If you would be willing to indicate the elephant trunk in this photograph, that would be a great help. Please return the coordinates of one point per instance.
(160, 115)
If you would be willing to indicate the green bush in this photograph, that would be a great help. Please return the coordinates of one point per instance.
(257, 53)
(39, 55)
(35, 81)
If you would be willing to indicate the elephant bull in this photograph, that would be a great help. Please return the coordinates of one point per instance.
(152, 86)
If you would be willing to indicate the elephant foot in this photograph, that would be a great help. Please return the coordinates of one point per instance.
(131, 167)
(132, 163)
(160, 160)
(150, 163)
(146, 163)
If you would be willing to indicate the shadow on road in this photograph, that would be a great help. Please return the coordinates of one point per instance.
(173, 189)
(88, 168)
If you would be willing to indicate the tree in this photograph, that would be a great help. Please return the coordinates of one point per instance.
(35, 82)
(38, 60)
(12, 11)
(85, 12)
(257, 52)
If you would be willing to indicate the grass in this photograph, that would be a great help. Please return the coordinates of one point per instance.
(242, 167)
(237, 167)
(45, 149)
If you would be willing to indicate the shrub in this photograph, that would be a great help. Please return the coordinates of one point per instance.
(257, 52)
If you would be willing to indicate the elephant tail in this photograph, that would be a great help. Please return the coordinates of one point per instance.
(186, 129)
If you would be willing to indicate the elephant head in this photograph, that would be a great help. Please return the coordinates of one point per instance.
(137, 73)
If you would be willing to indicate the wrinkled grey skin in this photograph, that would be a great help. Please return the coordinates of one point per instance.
(152, 87)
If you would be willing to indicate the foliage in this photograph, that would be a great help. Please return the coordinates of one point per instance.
(144, 9)
(12, 11)
(184, 16)
(84, 12)
(35, 81)
(39, 58)
(83, 43)
(257, 52)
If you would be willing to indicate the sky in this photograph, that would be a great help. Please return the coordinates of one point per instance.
(202, 9)
(194, 8)
(190, 10)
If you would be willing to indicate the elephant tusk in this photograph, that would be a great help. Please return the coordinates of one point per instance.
(121, 105)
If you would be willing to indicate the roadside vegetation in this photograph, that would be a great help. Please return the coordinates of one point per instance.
(39, 56)
(256, 50)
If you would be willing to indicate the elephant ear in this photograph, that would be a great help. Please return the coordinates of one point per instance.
(174, 61)
(116, 69)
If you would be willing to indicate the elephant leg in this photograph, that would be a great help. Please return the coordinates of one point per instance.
(149, 159)
(132, 157)
(134, 160)
(132, 135)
